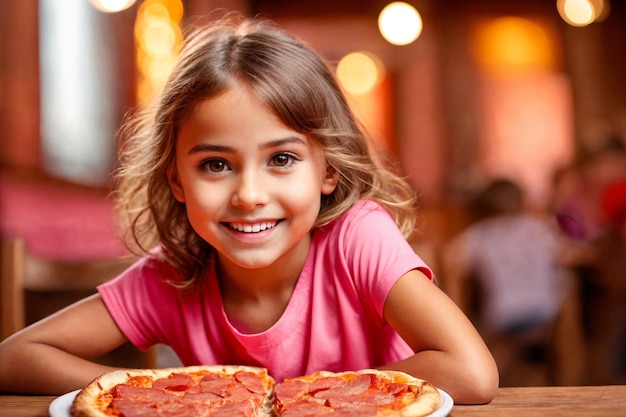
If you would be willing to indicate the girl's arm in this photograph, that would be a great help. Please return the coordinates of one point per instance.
(450, 352)
(53, 356)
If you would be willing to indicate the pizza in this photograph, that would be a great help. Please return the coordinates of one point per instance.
(246, 391)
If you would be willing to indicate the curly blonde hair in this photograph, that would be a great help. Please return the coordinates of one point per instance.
(296, 83)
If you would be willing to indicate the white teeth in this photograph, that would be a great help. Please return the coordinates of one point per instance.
(252, 228)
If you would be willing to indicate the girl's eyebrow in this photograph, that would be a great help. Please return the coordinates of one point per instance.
(208, 147)
(283, 141)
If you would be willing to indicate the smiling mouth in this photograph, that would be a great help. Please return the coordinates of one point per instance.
(252, 228)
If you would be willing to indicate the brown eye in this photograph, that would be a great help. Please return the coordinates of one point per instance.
(215, 165)
(281, 160)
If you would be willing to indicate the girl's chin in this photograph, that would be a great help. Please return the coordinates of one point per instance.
(247, 262)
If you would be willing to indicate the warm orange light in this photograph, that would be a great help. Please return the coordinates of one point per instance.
(512, 44)
(602, 9)
(151, 9)
(359, 72)
(158, 37)
(174, 8)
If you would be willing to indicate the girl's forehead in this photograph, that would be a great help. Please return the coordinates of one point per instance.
(230, 101)
(237, 113)
(236, 94)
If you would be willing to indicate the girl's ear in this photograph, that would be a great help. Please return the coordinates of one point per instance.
(330, 180)
(175, 186)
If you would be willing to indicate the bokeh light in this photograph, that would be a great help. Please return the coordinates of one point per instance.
(400, 23)
(581, 13)
(158, 37)
(512, 44)
(112, 6)
(359, 72)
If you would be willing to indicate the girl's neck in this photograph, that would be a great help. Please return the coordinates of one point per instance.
(236, 281)
(254, 299)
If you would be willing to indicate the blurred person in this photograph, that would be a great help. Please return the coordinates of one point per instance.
(589, 203)
(510, 258)
(605, 290)
(577, 190)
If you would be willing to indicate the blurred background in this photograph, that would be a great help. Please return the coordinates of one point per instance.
(461, 93)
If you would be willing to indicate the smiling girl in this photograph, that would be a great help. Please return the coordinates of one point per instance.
(280, 242)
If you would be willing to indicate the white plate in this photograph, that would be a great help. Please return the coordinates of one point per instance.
(444, 407)
(60, 407)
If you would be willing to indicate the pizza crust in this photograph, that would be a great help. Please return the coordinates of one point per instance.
(428, 399)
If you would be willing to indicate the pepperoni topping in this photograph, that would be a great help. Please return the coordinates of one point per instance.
(324, 383)
(174, 382)
(356, 410)
(290, 389)
(252, 382)
(130, 392)
(128, 408)
(396, 389)
(237, 393)
(137, 408)
(182, 409)
(201, 397)
(367, 398)
(304, 409)
(214, 386)
(356, 387)
(234, 409)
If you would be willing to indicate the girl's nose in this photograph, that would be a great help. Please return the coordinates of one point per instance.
(250, 191)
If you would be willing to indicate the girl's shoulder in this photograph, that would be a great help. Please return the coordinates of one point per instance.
(155, 261)
(366, 219)
(151, 269)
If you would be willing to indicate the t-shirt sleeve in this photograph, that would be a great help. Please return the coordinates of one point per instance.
(140, 301)
(377, 253)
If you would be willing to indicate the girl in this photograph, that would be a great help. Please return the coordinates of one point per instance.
(281, 243)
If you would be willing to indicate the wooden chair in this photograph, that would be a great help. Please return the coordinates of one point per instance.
(561, 343)
(57, 283)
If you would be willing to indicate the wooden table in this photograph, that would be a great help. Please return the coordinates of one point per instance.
(605, 401)
(24, 406)
(551, 402)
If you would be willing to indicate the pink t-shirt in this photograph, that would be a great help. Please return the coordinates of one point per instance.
(333, 320)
